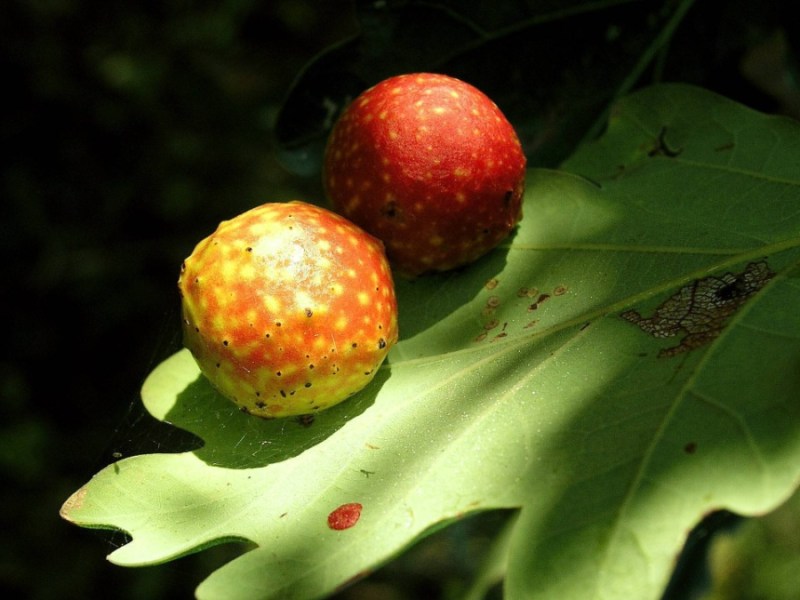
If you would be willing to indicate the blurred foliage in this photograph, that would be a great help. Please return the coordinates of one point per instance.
(131, 129)
(760, 559)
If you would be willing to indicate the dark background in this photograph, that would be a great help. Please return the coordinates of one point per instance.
(130, 129)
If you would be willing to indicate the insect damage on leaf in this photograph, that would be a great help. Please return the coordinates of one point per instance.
(495, 328)
(700, 310)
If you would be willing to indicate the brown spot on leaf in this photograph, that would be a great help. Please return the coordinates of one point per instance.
(305, 420)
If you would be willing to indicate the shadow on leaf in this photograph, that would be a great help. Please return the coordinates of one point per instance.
(236, 440)
(426, 301)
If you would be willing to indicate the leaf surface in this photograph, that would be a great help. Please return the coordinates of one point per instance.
(518, 383)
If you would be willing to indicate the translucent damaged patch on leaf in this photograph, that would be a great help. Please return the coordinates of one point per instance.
(700, 310)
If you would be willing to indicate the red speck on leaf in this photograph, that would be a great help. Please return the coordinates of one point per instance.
(345, 516)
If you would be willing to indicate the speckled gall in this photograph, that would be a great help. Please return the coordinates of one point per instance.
(288, 308)
(431, 166)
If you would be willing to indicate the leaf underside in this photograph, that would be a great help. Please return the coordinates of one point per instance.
(518, 383)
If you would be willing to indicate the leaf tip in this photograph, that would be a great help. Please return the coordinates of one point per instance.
(73, 503)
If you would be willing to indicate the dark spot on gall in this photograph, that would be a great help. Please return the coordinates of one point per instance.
(308, 384)
(283, 394)
(354, 345)
(308, 312)
(381, 344)
(690, 448)
(249, 249)
(225, 342)
(389, 209)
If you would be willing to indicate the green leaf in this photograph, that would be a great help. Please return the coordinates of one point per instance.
(519, 383)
